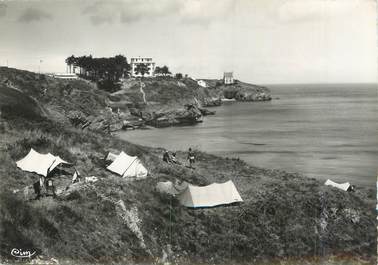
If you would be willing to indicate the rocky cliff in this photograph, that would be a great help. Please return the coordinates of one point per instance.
(166, 101)
(158, 102)
(161, 102)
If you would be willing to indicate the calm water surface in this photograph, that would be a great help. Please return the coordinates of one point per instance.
(322, 131)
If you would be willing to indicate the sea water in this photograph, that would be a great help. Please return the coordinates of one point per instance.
(321, 131)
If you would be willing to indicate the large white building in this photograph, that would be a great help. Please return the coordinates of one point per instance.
(228, 78)
(142, 60)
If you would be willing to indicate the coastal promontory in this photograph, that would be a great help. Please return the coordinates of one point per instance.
(159, 102)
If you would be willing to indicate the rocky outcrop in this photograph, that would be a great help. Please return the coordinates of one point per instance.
(239, 91)
(206, 112)
(246, 96)
(212, 102)
(104, 122)
(246, 92)
(187, 115)
(107, 121)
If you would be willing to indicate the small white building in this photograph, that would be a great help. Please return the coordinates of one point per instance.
(76, 70)
(201, 83)
(142, 60)
(228, 78)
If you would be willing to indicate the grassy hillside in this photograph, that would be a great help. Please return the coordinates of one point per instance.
(284, 216)
(55, 93)
(14, 103)
(73, 102)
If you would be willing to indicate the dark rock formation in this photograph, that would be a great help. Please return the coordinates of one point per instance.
(189, 114)
(245, 96)
(206, 112)
(107, 121)
(246, 92)
(212, 102)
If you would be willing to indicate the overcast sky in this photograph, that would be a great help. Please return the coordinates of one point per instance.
(261, 41)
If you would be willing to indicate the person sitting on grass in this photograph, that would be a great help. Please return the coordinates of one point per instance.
(174, 159)
(191, 158)
(166, 157)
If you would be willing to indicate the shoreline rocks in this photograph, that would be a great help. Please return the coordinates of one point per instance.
(212, 102)
(189, 114)
(242, 96)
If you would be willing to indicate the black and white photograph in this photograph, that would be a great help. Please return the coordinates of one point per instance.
(188, 132)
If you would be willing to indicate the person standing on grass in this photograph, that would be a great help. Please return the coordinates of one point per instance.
(166, 157)
(191, 157)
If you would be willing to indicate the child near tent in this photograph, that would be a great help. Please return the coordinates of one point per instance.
(191, 158)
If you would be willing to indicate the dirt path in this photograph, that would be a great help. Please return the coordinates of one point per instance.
(142, 91)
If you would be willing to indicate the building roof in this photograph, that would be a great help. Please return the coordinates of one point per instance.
(141, 57)
(228, 74)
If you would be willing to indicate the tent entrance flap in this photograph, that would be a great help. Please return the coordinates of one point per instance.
(129, 166)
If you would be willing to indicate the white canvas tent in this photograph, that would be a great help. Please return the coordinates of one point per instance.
(209, 196)
(38, 163)
(128, 166)
(344, 186)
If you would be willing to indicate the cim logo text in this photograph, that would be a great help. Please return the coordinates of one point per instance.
(19, 253)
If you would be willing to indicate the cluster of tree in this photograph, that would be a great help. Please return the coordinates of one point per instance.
(164, 71)
(101, 70)
(178, 76)
(108, 71)
(142, 69)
